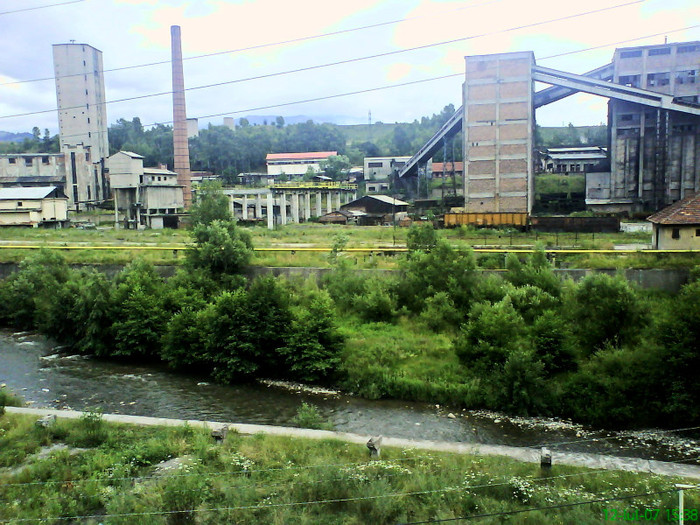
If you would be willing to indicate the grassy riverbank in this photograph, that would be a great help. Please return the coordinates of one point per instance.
(107, 473)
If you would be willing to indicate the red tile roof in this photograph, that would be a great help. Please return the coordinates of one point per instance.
(301, 156)
(686, 211)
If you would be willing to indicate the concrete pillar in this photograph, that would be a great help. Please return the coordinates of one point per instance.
(307, 205)
(329, 204)
(244, 212)
(258, 206)
(295, 208)
(337, 200)
(319, 204)
(233, 206)
(270, 211)
(283, 208)
(354, 195)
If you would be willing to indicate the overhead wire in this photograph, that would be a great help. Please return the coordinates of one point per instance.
(345, 500)
(378, 88)
(341, 62)
(257, 46)
(547, 507)
(39, 7)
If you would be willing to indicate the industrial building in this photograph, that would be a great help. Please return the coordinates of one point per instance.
(82, 121)
(653, 118)
(381, 168)
(296, 164)
(147, 197)
(79, 169)
(39, 206)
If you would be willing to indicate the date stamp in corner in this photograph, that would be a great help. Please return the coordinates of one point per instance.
(654, 514)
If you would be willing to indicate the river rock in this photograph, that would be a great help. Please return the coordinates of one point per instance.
(219, 434)
(375, 445)
(451, 416)
(46, 421)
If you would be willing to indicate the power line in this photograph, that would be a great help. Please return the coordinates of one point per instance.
(347, 61)
(258, 46)
(39, 7)
(549, 507)
(662, 33)
(351, 499)
(338, 95)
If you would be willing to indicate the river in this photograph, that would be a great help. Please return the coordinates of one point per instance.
(47, 377)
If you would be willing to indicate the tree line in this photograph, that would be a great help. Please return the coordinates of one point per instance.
(525, 342)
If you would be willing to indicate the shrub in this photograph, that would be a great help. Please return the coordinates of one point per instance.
(376, 303)
(421, 237)
(211, 204)
(33, 284)
(440, 313)
(605, 310)
(221, 248)
(139, 319)
(612, 389)
(552, 343)
(443, 269)
(492, 332)
(520, 386)
(309, 416)
(535, 271)
(312, 350)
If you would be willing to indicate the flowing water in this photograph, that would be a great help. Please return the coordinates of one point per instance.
(45, 376)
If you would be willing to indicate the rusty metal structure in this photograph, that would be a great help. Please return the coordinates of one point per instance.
(181, 149)
(653, 118)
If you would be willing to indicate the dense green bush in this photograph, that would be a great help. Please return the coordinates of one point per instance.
(421, 237)
(443, 269)
(535, 271)
(605, 310)
(220, 247)
(33, 284)
(491, 333)
(313, 344)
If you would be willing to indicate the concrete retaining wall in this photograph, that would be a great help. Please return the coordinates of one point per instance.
(667, 280)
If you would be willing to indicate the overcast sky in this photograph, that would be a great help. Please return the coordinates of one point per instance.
(130, 32)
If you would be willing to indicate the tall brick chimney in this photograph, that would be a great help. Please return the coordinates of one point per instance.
(181, 148)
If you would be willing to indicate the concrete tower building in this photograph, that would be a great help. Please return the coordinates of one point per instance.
(80, 91)
(654, 152)
(82, 120)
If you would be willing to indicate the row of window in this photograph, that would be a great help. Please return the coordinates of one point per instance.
(688, 76)
(28, 161)
(659, 51)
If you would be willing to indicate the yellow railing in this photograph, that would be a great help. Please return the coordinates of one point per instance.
(376, 249)
(315, 185)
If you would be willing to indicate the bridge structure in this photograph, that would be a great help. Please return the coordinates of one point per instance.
(286, 202)
(654, 122)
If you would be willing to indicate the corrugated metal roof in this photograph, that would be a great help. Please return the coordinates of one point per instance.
(388, 200)
(301, 156)
(131, 154)
(38, 192)
(686, 211)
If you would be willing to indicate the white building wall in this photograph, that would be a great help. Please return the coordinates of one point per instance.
(80, 93)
